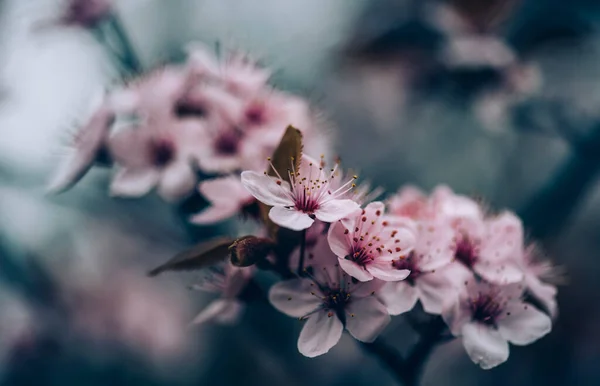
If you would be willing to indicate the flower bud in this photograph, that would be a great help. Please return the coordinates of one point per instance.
(248, 250)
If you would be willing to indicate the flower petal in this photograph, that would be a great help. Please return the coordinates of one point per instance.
(523, 324)
(485, 346)
(334, 210)
(295, 297)
(176, 181)
(224, 311)
(290, 218)
(434, 289)
(266, 190)
(504, 272)
(133, 183)
(385, 271)
(366, 318)
(399, 297)
(224, 191)
(355, 270)
(320, 333)
(214, 214)
(338, 240)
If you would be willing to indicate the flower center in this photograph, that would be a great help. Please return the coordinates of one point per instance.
(307, 205)
(162, 152)
(485, 309)
(186, 109)
(255, 115)
(410, 263)
(466, 251)
(336, 300)
(227, 143)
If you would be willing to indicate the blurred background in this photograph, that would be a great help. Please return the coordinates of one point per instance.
(498, 99)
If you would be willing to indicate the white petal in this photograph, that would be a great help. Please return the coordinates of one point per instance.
(504, 272)
(386, 271)
(176, 181)
(485, 346)
(266, 189)
(295, 297)
(290, 218)
(214, 214)
(435, 289)
(456, 313)
(334, 210)
(133, 183)
(221, 310)
(320, 333)
(399, 297)
(522, 324)
(366, 318)
(355, 270)
(338, 241)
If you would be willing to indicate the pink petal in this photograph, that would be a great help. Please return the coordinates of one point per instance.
(504, 239)
(545, 293)
(399, 297)
(338, 241)
(366, 318)
(434, 290)
(456, 313)
(266, 189)
(133, 183)
(434, 243)
(221, 310)
(505, 272)
(177, 180)
(485, 346)
(290, 218)
(129, 147)
(355, 270)
(295, 297)
(334, 210)
(320, 333)
(386, 271)
(223, 191)
(214, 214)
(522, 324)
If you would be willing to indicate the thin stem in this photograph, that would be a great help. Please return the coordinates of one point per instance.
(302, 251)
(128, 57)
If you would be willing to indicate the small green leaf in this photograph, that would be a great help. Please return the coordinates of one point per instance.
(197, 257)
(287, 153)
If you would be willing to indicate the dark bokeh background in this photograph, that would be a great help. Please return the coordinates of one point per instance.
(75, 304)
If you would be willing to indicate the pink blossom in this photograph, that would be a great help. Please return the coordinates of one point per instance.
(228, 281)
(367, 246)
(149, 156)
(489, 247)
(227, 196)
(296, 205)
(330, 302)
(88, 145)
(429, 280)
(410, 202)
(488, 317)
(238, 73)
(538, 277)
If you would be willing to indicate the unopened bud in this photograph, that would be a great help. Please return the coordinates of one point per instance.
(248, 250)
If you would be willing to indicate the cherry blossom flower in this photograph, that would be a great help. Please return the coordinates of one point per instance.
(227, 197)
(367, 246)
(88, 145)
(488, 247)
(488, 317)
(429, 281)
(330, 302)
(296, 205)
(149, 156)
(410, 202)
(538, 277)
(228, 281)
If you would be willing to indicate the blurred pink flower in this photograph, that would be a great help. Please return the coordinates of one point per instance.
(488, 317)
(88, 145)
(428, 281)
(86, 13)
(539, 276)
(410, 202)
(367, 246)
(227, 197)
(228, 281)
(329, 302)
(149, 156)
(296, 205)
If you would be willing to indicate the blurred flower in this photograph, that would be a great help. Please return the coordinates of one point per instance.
(488, 317)
(410, 202)
(86, 13)
(539, 275)
(227, 197)
(367, 246)
(329, 302)
(228, 281)
(296, 205)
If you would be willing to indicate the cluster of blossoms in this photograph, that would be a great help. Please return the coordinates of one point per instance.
(349, 262)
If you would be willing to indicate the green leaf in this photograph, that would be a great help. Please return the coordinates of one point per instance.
(287, 153)
(197, 257)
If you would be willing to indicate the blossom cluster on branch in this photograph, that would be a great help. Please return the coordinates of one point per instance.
(347, 261)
